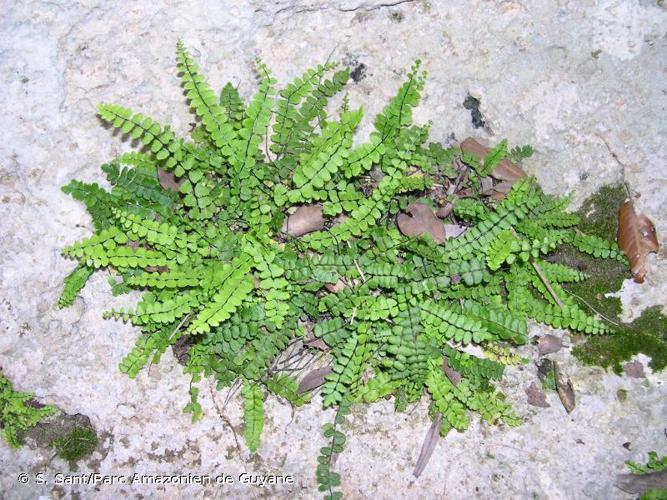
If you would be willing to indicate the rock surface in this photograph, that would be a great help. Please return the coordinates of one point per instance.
(583, 83)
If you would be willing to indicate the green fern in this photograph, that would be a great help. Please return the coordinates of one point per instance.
(17, 415)
(217, 273)
(253, 415)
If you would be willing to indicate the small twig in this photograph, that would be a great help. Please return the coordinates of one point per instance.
(593, 309)
(628, 190)
(547, 283)
(232, 391)
(222, 415)
(171, 335)
(363, 276)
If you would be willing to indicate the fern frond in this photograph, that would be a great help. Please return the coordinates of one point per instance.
(150, 311)
(74, 282)
(329, 151)
(347, 367)
(234, 288)
(148, 347)
(161, 142)
(253, 415)
(234, 107)
(443, 324)
(98, 202)
(205, 103)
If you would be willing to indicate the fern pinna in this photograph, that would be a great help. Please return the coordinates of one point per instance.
(197, 226)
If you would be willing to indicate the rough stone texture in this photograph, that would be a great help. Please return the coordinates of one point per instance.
(583, 82)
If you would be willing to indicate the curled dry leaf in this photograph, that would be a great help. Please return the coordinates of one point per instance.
(536, 396)
(640, 483)
(420, 221)
(444, 211)
(313, 379)
(505, 171)
(565, 390)
(637, 238)
(548, 344)
(304, 220)
(168, 180)
(431, 439)
(634, 369)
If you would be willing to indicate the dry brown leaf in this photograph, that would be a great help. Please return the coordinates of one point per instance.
(640, 483)
(634, 369)
(504, 171)
(454, 230)
(548, 344)
(444, 211)
(168, 180)
(337, 286)
(157, 269)
(420, 221)
(453, 376)
(565, 390)
(487, 185)
(313, 379)
(431, 439)
(637, 238)
(501, 189)
(536, 396)
(304, 220)
(312, 341)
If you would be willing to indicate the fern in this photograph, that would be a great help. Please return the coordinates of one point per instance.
(74, 282)
(17, 415)
(253, 415)
(217, 273)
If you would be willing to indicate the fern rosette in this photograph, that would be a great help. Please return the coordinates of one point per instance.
(196, 225)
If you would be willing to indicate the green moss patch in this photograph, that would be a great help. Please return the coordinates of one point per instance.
(71, 436)
(648, 333)
(76, 445)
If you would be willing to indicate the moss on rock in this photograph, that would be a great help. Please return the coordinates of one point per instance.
(648, 333)
(76, 445)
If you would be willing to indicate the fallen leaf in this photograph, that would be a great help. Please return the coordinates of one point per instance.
(337, 286)
(544, 367)
(536, 396)
(501, 189)
(444, 211)
(487, 185)
(637, 238)
(565, 390)
(454, 230)
(634, 369)
(420, 221)
(453, 376)
(548, 344)
(314, 379)
(304, 220)
(157, 269)
(640, 483)
(505, 171)
(430, 441)
(312, 341)
(168, 180)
